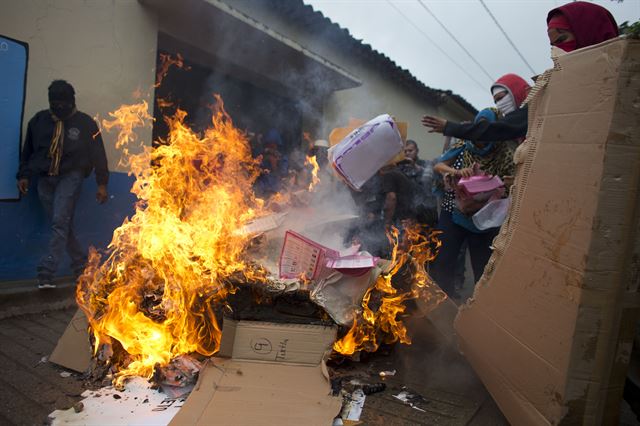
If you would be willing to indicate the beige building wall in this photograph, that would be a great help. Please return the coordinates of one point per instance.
(105, 49)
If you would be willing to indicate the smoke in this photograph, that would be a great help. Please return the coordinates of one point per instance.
(440, 363)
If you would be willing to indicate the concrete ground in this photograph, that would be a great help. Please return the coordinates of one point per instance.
(32, 321)
(31, 388)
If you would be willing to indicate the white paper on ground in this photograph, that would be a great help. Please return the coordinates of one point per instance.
(352, 405)
(101, 408)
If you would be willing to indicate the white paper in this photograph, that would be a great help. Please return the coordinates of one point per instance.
(352, 262)
(262, 224)
(101, 408)
(351, 251)
(352, 405)
(364, 151)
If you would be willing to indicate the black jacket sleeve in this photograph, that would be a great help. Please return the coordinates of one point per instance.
(25, 155)
(512, 126)
(99, 157)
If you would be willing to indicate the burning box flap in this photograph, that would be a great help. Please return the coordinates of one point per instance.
(73, 350)
(273, 342)
(233, 392)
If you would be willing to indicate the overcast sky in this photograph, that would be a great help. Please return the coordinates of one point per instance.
(399, 29)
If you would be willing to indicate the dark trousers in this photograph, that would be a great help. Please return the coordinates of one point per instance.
(453, 236)
(58, 195)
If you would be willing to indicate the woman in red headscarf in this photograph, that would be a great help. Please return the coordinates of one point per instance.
(509, 91)
(580, 24)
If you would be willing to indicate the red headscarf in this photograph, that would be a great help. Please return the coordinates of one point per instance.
(590, 23)
(517, 85)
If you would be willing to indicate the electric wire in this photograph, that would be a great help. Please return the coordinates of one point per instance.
(433, 15)
(484, 87)
(507, 36)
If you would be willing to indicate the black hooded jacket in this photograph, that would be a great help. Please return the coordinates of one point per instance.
(511, 126)
(82, 148)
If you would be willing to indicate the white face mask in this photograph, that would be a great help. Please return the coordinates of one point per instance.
(507, 104)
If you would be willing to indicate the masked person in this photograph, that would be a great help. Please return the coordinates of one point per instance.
(61, 148)
(491, 158)
(509, 92)
(580, 24)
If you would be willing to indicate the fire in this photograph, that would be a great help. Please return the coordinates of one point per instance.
(382, 305)
(171, 265)
(127, 118)
(315, 180)
(166, 62)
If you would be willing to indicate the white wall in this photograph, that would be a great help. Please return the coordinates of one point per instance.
(105, 49)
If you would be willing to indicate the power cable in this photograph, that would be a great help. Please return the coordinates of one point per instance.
(484, 88)
(424, 6)
(507, 37)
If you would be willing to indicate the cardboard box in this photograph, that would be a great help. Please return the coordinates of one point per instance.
(73, 350)
(550, 326)
(273, 375)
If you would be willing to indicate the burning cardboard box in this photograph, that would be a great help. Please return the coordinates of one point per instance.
(272, 374)
(550, 326)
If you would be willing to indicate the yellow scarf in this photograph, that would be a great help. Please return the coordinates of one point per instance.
(57, 141)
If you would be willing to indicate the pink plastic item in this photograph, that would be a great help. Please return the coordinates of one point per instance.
(480, 183)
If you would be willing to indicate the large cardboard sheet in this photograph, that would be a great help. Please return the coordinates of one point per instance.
(273, 375)
(231, 392)
(547, 329)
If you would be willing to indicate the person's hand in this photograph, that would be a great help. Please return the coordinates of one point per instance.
(465, 173)
(23, 186)
(101, 194)
(436, 123)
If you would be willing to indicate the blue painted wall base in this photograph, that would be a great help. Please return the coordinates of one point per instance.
(24, 229)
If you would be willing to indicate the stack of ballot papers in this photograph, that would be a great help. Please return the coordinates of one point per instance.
(364, 151)
(302, 257)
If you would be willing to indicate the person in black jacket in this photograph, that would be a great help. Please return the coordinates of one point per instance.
(61, 149)
(509, 92)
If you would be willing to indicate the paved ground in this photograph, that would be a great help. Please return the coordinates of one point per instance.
(31, 388)
(451, 393)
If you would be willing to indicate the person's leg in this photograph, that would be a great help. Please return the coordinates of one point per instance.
(46, 190)
(76, 252)
(480, 251)
(443, 268)
(61, 193)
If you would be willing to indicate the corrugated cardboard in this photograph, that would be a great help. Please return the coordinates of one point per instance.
(274, 377)
(73, 350)
(550, 326)
(274, 342)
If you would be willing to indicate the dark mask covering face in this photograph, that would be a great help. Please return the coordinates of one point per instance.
(62, 110)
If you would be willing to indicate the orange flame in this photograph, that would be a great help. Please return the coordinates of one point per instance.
(315, 180)
(378, 322)
(169, 266)
(166, 61)
(127, 118)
